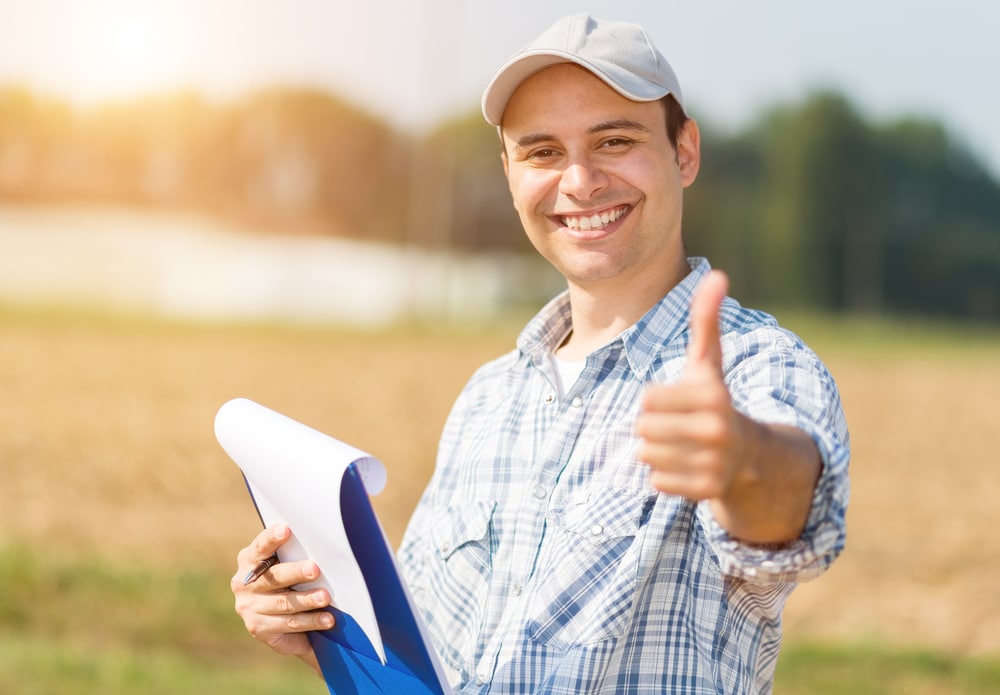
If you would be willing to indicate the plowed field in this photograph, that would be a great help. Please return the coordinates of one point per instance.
(106, 447)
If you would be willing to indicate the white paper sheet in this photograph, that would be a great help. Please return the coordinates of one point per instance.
(301, 469)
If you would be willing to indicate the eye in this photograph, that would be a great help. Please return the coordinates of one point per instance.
(543, 154)
(617, 143)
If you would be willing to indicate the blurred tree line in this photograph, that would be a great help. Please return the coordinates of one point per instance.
(812, 205)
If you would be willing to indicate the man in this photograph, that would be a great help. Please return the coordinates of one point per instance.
(623, 503)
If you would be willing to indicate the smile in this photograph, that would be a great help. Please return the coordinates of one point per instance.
(596, 221)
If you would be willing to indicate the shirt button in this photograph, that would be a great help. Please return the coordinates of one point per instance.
(596, 530)
(577, 402)
(445, 547)
(550, 398)
(518, 588)
(480, 679)
(539, 492)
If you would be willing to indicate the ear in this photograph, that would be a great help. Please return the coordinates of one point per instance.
(689, 152)
(503, 152)
(506, 170)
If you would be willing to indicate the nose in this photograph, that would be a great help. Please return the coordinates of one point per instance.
(581, 179)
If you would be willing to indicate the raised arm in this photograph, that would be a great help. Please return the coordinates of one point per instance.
(759, 478)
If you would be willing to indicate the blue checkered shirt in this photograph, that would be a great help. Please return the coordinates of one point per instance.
(542, 559)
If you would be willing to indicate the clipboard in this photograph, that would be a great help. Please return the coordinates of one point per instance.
(378, 643)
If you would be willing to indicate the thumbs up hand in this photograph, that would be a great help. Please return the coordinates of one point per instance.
(691, 436)
(758, 478)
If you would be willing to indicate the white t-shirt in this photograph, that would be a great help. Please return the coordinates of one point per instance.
(568, 373)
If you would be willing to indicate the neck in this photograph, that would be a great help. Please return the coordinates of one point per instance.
(601, 313)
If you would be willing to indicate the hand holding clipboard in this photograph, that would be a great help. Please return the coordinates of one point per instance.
(378, 643)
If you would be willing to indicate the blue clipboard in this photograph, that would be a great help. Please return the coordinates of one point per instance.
(348, 661)
(340, 526)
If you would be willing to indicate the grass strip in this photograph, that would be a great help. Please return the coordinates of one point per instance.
(877, 669)
(72, 625)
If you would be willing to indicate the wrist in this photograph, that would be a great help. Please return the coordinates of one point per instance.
(309, 657)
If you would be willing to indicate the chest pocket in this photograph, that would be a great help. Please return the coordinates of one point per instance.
(588, 581)
(458, 587)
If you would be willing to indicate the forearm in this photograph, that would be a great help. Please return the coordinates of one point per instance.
(770, 495)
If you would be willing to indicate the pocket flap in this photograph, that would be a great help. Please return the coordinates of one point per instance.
(610, 514)
(455, 526)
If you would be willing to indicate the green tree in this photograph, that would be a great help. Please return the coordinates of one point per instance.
(469, 177)
(819, 208)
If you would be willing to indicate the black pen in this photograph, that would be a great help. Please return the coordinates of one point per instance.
(261, 567)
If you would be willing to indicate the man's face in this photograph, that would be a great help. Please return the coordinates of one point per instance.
(595, 180)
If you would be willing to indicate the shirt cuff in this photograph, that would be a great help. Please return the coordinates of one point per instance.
(811, 554)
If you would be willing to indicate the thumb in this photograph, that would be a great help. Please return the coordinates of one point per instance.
(705, 346)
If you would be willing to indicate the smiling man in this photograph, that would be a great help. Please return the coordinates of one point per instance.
(623, 503)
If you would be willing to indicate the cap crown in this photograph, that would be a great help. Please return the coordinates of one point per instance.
(619, 53)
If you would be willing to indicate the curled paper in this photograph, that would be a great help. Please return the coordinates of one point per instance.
(295, 474)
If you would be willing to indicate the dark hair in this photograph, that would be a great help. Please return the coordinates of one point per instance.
(676, 118)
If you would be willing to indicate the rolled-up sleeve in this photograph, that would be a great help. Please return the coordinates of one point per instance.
(773, 378)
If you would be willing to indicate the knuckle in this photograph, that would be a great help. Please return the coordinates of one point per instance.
(243, 606)
(708, 489)
(659, 482)
(255, 628)
(716, 431)
(282, 603)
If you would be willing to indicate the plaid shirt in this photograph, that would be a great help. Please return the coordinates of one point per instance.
(543, 560)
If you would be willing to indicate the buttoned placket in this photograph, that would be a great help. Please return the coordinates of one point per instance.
(566, 423)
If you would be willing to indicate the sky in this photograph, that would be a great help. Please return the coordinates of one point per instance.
(415, 62)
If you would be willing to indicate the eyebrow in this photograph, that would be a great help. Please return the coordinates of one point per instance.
(615, 124)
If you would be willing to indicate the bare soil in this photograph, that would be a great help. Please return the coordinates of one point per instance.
(106, 446)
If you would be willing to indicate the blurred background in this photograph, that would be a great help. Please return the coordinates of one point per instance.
(851, 154)
(301, 203)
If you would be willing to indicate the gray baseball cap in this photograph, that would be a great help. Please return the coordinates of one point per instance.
(619, 53)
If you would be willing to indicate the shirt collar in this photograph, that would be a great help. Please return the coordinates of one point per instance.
(642, 341)
(548, 328)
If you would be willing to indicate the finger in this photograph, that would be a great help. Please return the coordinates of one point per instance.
(270, 539)
(291, 602)
(705, 346)
(694, 429)
(695, 488)
(682, 397)
(281, 576)
(264, 544)
(307, 621)
(288, 574)
(280, 611)
(266, 626)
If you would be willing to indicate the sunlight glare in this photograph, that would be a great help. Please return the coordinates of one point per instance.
(129, 51)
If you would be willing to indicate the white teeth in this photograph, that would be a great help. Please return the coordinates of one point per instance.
(594, 221)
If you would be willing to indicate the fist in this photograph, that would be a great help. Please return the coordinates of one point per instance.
(690, 434)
